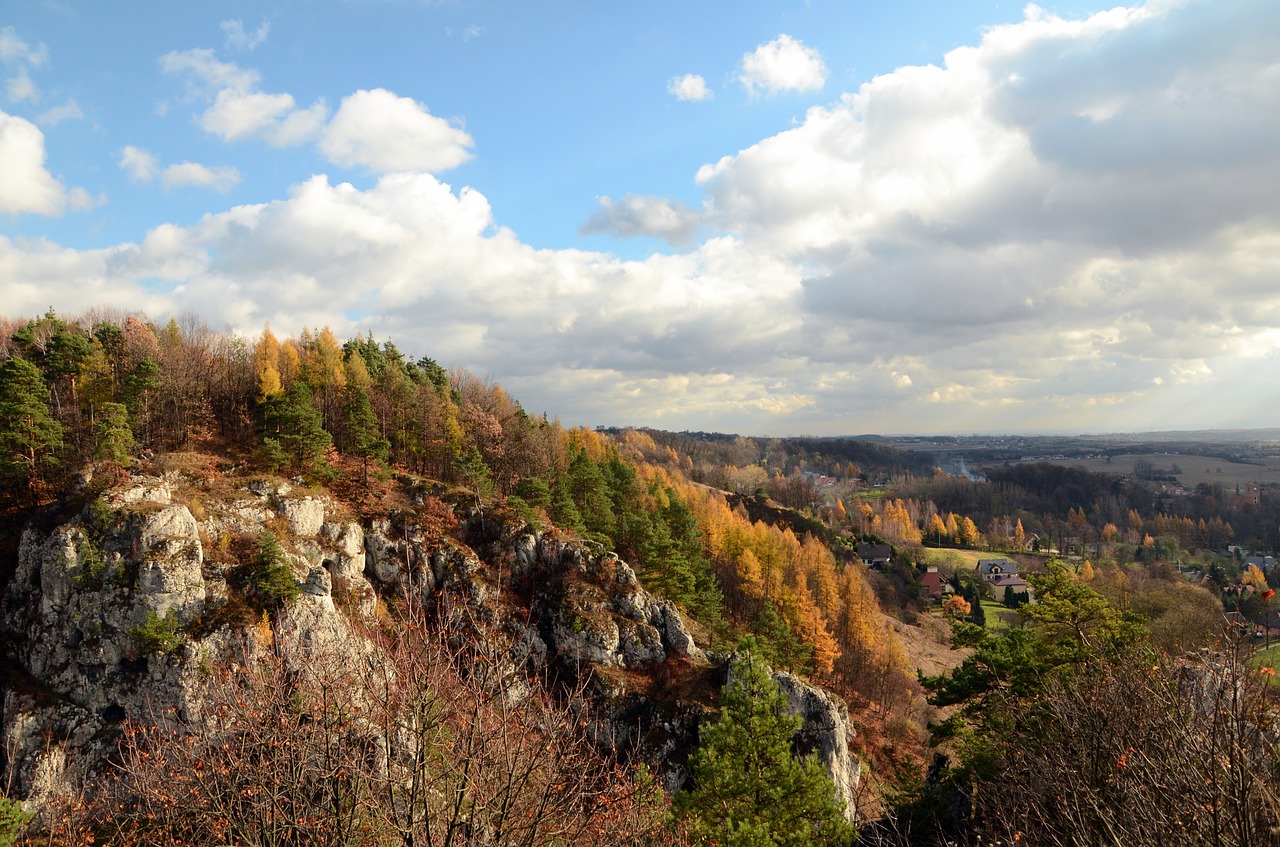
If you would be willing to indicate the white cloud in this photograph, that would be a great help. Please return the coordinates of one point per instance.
(239, 39)
(80, 200)
(69, 111)
(15, 51)
(383, 133)
(690, 87)
(1066, 216)
(466, 33)
(784, 64)
(20, 87)
(1068, 209)
(143, 166)
(373, 129)
(275, 118)
(184, 174)
(140, 165)
(659, 217)
(18, 54)
(238, 110)
(25, 184)
(205, 74)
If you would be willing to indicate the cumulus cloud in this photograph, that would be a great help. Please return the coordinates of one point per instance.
(25, 184)
(383, 133)
(659, 217)
(68, 111)
(139, 164)
(221, 178)
(143, 166)
(375, 130)
(784, 64)
(1060, 205)
(240, 39)
(1067, 216)
(238, 110)
(689, 88)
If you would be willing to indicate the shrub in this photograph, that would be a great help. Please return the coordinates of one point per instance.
(13, 819)
(272, 579)
(157, 634)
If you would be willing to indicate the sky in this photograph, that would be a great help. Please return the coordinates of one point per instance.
(771, 218)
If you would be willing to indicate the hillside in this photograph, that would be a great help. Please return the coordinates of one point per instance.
(195, 526)
(304, 591)
(159, 598)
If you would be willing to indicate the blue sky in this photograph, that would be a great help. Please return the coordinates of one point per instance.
(770, 218)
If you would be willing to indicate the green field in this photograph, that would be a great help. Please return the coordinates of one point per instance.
(957, 559)
(1267, 657)
(1195, 469)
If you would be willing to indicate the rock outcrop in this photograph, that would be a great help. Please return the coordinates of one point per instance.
(824, 732)
(168, 555)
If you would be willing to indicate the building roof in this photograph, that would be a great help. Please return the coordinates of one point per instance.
(874, 551)
(989, 566)
(1011, 580)
(933, 581)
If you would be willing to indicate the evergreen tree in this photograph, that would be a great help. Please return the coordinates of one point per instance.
(590, 492)
(749, 791)
(778, 644)
(293, 426)
(29, 436)
(364, 438)
(115, 438)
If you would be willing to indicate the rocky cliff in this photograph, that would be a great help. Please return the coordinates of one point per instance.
(115, 611)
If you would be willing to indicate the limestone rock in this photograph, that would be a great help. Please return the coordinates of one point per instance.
(824, 732)
(169, 575)
(305, 515)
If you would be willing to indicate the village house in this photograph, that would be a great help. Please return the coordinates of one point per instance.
(997, 584)
(874, 555)
(1265, 563)
(935, 584)
(989, 568)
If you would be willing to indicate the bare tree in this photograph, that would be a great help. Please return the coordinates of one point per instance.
(412, 736)
(1144, 750)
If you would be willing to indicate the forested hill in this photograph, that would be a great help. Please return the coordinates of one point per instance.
(198, 488)
(708, 453)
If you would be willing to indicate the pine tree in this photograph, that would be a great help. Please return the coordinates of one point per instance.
(364, 438)
(293, 427)
(29, 436)
(748, 788)
(115, 438)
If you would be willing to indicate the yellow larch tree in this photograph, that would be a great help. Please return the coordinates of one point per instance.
(266, 365)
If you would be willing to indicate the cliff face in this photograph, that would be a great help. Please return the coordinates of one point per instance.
(114, 614)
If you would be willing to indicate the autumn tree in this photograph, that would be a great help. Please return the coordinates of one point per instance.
(1254, 576)
(957, 606)
(418, 743)
(266, 365)
(1138, 749)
